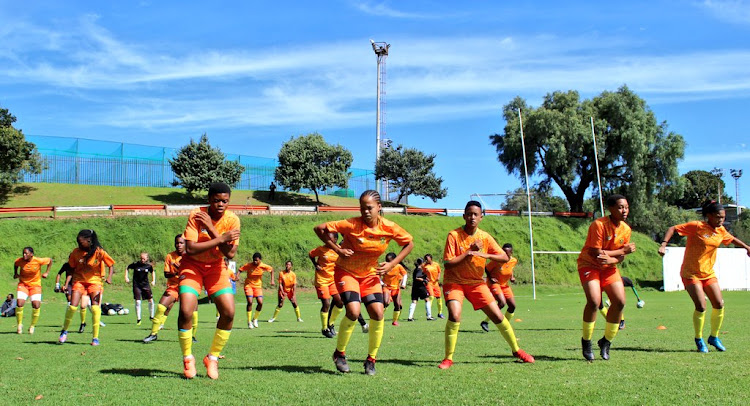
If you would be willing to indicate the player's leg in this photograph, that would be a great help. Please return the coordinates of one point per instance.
(396, 307)
(138, 298)
(84, 306)
(348, 288)
(694, 289)
(510, 300)
(258, 293)
(438, 299)
(190, 286)
(297, 310)
(337, 307)
(95, 293)
(412, 307)
(224, 300)
(454, 303)
(615, 290)
(278, 306)
(325, 307)
(481, 298)
(373, 301)
(713, 291)
(36, 308)
(592, 290)
(75, 299)
(22, 293)
(428, 304)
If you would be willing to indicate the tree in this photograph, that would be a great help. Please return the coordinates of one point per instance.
(410, 172)
(637, 154)
(700, 186)
(309, 162)
(198, 164)
(541, 200)
(18, 155)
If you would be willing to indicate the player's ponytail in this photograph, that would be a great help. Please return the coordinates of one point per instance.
(91, 236)
(711, 207)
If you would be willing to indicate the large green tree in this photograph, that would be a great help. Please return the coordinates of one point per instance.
(309, 162)
(541, 200)
(409, 171)
(198, 164)
(637, 154)
(699, 186)
(18, 155)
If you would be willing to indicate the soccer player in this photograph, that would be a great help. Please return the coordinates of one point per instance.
(419, 291)
(254, 287)
(141, 288)
(467, 249)
(287, 289)
(607, 244)
(499, 276)
(29, 285)
(432, 274)
(697, 272)
(393, 282)
(211, 234)
(357, 271)
(88, 262)
(324, 260)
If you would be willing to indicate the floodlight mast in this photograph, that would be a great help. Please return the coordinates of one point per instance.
(736, 174)
(381, 50)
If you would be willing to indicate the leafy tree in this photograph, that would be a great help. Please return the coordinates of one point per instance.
(410, 172)
(309, 162)
(6, 119)
(18, 155)
(198, 164)
(541, 200)
(700, 186)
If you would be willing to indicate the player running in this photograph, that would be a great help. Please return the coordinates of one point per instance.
(324, 260)
(254, 287)
(287, 289)
(499, 276)
(393, 282)
(432, 272)
(28, 271)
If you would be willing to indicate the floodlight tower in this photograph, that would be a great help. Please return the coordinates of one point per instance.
(736, 174)
(719, 173)
(381, 50)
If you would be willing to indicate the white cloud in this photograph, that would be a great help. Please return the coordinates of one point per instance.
(735, 11)
(384, 10)
(714, 159)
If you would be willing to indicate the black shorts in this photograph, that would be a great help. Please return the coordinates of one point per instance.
(419, 293)
(142, 292)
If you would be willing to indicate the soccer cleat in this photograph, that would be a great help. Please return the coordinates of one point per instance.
(711, 340)
(101, 324)
(63, 337)
(622, 325)
(250, 325)
(195, 340)
(440, 316)
(19, 329)
(188, 367)
(326, 333)
(701, 345)
(138, 323)
(82, 328)
(255, 323)
(31, 330)
(271, 320)
(95, 342)
(485, 326)
(604, 345)
(409, 319)
(299, 320)
(161, 327)
(430, 318)
(150, 338)
(395, 323)
(212, 367)
(370, 366)
(524, 356)
(447, 363)
(332, 329)
(365, 328)
(339, 359)
(588, 353)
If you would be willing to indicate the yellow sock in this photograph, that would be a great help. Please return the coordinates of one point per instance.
(440, 305)
(610, 330)
(276, 312)
(345, 333)
(604, 311)
(588, 330)
(195, 323)
(256, 314)
(35, 316)
(186, 342)
(509, 315)
(297, 312)
(324, 320)
(249, 316)
(375, 337)
(451, 337)
(160, 309)
(69, 316)
(84, 310)
(717, 317)
(220, 340)
(487, 319)
(698, 319)
(396, 315)
(507, 332)
(96, 317)
(335, 314)
(19, 315)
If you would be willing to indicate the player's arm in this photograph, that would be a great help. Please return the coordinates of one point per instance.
(127, 279)
(153, 275)
(403, 280)
(111, 273)
(46, 273)
(272, 278)
(68, 278)
(667, 236)
(195, 247)
(15, 271)
(737, 241)
(314, 261)
(321, 230)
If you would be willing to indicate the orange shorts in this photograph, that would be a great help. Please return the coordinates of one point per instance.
(194, 276)
(287, 294)
(479, 294)
(84, 288)
(253, 292)
(346, 282)
(433, 288)
(498, 289)
(605, 277)
(173, 292)
(394, 292)
(696, 281)
(25, 291)
(325, 292)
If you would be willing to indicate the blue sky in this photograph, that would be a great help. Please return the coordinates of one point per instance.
(253, 74)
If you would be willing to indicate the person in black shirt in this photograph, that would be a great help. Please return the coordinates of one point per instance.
(141, 285)
(418, 288)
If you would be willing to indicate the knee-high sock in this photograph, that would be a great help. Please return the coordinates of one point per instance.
(195, 322)
(428, 308)
(335, 312)
(412, 307)
(375, 337)
(276, 312)
(256, 313)
(507, 332)
(69, 316)
(324, 320)
(220, 340)
(587, 330)
(151, 308)
(19, 315)
(610, 330)
(396, 315)
(487, 319)
(440, 305)
(96, 317)
(345, 333)
(159, 318)
(250, 317)
(451, 337)
(698, 319)
(138, 309)
(604, 311)
(297, 312)
(509, 315)
(35, 316)
(186, 342)
(717, 317)
(83, 314)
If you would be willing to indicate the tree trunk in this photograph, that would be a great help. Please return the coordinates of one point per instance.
(317, 198)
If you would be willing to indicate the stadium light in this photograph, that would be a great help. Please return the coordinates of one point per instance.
(719, 173)
(736, 174)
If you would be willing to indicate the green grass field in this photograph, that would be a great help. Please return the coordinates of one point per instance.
(289, 363)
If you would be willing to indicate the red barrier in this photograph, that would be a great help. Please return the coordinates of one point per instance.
(503, 212)
(337, 208)
(138, 207)
(573, 214)
(417, 210)
(25, 209)
(240, 207)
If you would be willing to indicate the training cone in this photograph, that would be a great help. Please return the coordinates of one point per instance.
(518, 320)
(661, 328)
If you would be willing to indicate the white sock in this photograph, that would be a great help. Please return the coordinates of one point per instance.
(138, 309)
(412, 307)
(151, 307)
(428, 308)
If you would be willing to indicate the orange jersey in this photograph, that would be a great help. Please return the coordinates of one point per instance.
(196, 232)
(393, 278)
(255, 273)
(605, 236)
(172, 268)
(432, 272)
(700, 251)
(368, 243)
(30, 272)
(502, 272)
(470, 270)
(287, 280)
(91, 271)
(326, 261)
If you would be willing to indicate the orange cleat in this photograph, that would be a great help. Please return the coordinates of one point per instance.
(447, 363)
(189, 367)
(523, 356)
(212, 367)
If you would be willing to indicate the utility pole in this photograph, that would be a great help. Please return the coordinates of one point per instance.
(736, 174)
(718, 172)
(381, 50)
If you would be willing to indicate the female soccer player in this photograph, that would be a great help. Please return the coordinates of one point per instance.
(393, 282)
(287, 289)
(467, 249)
(419, 291)
(499, 276)
(432, 273)
(211, 234)
(324, 260)
(254, 287)
(607, 244)
(29, 285)
(141, 286)
(88, 262)
(697, 272)
(357, 270)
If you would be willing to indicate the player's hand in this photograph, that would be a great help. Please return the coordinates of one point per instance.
(44, 275)
(345, 252)
(605, 259)
(476, 246)
(109, 280)
(512, 279)
(126, 280)
(231, 235)
(204, 218)
(629, 248)
(663, 250)
(153, 283)
(318, 268)
(383, 268)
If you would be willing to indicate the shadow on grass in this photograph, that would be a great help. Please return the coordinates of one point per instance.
(160, 373)
(409, 362)
(305, 334)
(67, 343)
(638, 349)
(546, 329)
(177, 198)
(304, 369)
(5, 193)
(283, 198)
(536, 358)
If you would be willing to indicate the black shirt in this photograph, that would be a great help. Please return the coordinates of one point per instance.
(140, 273)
